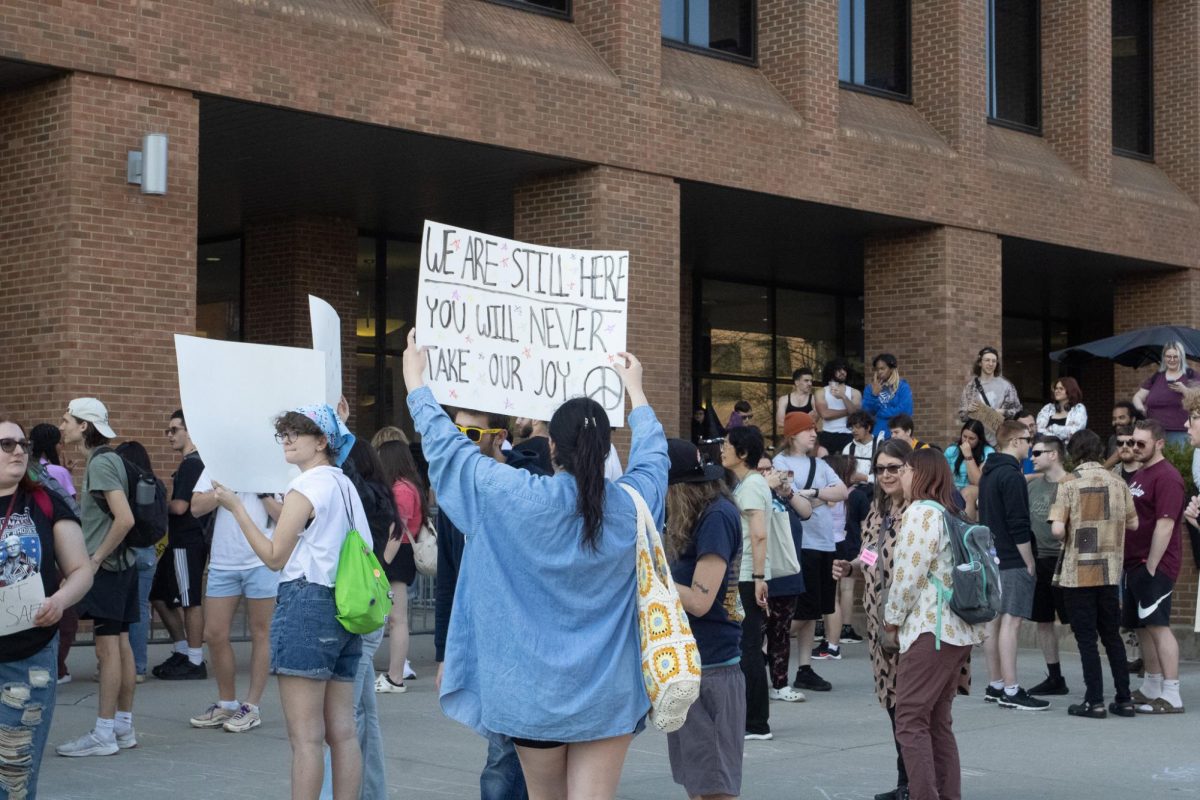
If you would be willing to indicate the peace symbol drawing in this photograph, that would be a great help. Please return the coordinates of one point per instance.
(603, 385)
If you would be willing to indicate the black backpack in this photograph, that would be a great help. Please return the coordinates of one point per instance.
(147, 500)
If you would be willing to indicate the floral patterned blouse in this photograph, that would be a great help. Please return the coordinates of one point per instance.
(922, 548)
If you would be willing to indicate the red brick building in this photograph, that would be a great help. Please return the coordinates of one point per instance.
(794, 181)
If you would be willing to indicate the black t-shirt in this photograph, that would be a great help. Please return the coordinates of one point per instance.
(184, 530)
(719, 632)
(858, 506)
(35, 531)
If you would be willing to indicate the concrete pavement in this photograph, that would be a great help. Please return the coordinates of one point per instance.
(836, 746)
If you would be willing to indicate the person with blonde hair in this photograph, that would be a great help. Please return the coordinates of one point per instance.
(388, 433)
(1161, 395)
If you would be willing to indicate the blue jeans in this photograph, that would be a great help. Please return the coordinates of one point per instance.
(366, 720)
(502, 778)
(26, 722)
(139, 632)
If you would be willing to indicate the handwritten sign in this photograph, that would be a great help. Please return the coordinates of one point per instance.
(515, 328)
(19, 602)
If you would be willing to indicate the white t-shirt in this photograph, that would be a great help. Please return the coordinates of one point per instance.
(841, 424)
(818, 529)
(230, 550)
(316, 555)
(863, 454)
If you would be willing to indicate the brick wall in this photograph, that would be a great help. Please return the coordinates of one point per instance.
(798, 51)
(1177, 92)
(605, 208)
(288, 259)
(100, 275)
(1077, 84)
(932, 299)
(948, 62)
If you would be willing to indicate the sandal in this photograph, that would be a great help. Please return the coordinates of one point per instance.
(1123, 708)
(1139, 698)
(1085, 709)
(1159, 705)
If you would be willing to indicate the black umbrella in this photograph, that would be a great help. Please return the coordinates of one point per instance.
(1135, 348)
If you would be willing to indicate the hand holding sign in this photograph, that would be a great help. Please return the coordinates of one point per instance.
(630, 371)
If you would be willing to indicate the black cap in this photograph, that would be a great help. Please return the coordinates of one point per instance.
(687, 466)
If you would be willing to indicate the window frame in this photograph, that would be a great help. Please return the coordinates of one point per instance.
(524, 5)
(906, 97)
(750, 60)
(1120, 151)
(1001, 122)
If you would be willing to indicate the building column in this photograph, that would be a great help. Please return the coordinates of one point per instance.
(798, 53)
(1160, 298)
(285, 260)
(99, 276)
(1077, 84)
(627, 35)
(604, 208)
(949, 61)
(932, 298)
(1177, 92)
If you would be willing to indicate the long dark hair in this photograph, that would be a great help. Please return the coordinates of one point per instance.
(133, 452)
(894, 448)
(366, 473)
(581, 435)
(43, 443)
(395, 457)
(975, 427)
(931, 478)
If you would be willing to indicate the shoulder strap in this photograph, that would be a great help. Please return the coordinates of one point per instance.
(648, 536)
(812, 470)
(982, 394)
(42, 500)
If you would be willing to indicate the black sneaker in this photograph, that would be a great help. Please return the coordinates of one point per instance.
(1123, 708)
(849, 635)
(992, 695)
(826, 651)
(807, 679)
(173, 661)
(899, 793)
(187, 671)
(1051, 686)
(1022, 701)
(1086, 709)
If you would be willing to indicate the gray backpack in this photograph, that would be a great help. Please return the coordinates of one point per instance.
(974, 593)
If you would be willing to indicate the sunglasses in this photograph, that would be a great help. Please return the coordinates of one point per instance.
(10, 445)
(1036, 453)
(1140, 445)
(1124, 442)
(174, 429)
(477, 434)
(888, 469)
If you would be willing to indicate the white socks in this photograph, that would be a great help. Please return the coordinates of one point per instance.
(124, 722)
(1152, 686)
(229, 705)
(181, 647)
(1170, 693)
(195, 654)
(104, 730)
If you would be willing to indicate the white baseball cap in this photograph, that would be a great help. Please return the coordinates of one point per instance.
(89, 409)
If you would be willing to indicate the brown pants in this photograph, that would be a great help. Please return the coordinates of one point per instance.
(926, 682)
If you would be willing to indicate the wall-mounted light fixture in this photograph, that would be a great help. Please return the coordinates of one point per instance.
(148, 167)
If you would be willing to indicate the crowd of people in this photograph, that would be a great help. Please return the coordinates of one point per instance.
(529, 527)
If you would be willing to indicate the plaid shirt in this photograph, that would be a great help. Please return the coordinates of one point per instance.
(1096, 507)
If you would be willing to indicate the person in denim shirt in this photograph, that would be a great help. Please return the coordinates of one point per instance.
(543, 645)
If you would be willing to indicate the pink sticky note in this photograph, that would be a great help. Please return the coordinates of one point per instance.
(868, 557)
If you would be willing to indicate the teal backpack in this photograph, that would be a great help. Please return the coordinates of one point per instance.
(974, 590)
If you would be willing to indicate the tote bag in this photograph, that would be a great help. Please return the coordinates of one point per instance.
(670, 659)
(360, 589)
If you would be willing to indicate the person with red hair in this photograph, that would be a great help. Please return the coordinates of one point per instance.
(1067, 414)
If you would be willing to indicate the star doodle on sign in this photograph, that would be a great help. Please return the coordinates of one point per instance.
(504, 261)
(468, 340)
(528, 353)
(504, 246)
(571, 285)
(454, 394)
(610, 327)
(518, 310)
(507, 404)
(610, 358)
(455, 295)
(481, 356)
(454, 245)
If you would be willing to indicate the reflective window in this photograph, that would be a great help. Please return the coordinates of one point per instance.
(1014, 62)
(873, 45)
(1132, 87)
(219, 290)
(726, 26)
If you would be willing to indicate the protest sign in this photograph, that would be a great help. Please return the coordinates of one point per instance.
(231, 394)
(516, 328)
(19, 602)
(327, 337)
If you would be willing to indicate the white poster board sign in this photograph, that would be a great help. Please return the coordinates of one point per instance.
(327, 337)
(516, 328)
(19, 602)
(231, 393)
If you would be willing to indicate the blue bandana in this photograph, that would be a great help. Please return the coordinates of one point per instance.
(336, 433)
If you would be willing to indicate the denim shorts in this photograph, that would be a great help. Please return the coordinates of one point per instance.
(256, 583)
(307, 641)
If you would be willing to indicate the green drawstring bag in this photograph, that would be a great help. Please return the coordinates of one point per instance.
(360, 589)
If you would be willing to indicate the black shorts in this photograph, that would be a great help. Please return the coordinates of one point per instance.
(112, 602)
(833, 441)
(1145, 599)
(179, 577)
(1047, 598)
(403, 568)
(820, 588)
(537, 744)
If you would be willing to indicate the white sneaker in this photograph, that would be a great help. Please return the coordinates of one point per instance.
(384, 685)
(760, 737)
(88, 745)
(127, 740)
(408, 671)
(213, 717)
(244, 720)
(63, 680)
(788, 694)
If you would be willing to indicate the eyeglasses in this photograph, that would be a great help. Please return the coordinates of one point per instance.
(10, 445)
(1124, 442)
(477, 434)
(284, 437)
(889, 469)
(1036, 453)
(174, 429)
(1140, 445)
